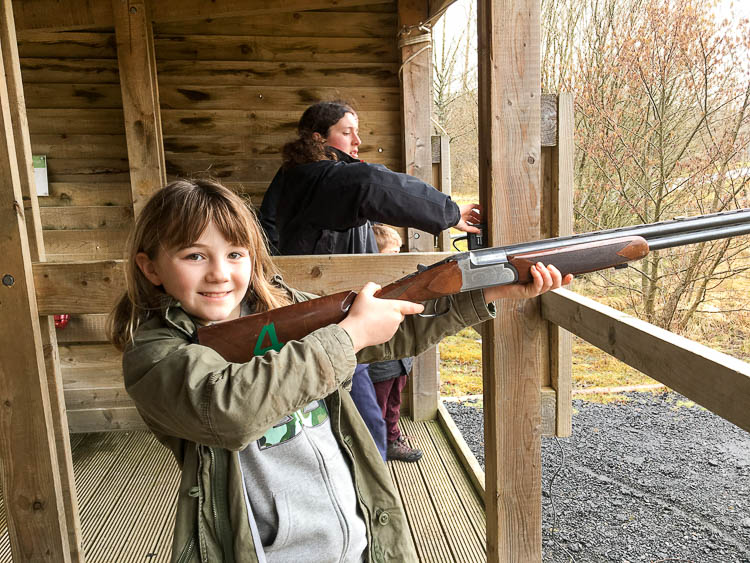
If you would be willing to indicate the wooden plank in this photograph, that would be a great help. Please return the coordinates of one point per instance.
(288, 49)
(228, 169)
(462, 450)
(561, 342)
(105, 420)
(291, 23)
(548, 120)
(99, 244)
(140, 99)
(266, 122)
(73, 96)
(513, 344)
(262, 73)
(462, 540)
(245, 146)
(103, 194)
(416, 87)
(79, 146)
(60, 286)
(69, 71)
(88, 217)
(33, 495)
(471, 501)
(420, 513)
(254, 97)
(24, 153)
(716, 381)
(65, 121)
(82, 14)
(442, 180)
(48, 44)
(84, 328)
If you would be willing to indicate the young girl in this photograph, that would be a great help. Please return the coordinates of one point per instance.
(276, 463)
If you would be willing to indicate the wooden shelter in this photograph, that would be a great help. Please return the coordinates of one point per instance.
(121, 96)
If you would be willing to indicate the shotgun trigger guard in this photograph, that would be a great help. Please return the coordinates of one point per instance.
(433, 315)
(486, 268)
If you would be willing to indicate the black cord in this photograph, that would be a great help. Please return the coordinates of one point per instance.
(552, 501)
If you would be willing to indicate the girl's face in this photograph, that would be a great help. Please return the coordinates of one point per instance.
(208, 278)
(344, 135)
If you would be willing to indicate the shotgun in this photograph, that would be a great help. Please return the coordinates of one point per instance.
(241, 339)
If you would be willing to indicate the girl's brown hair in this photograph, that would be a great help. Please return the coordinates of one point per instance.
(175, 217)
(318, 118)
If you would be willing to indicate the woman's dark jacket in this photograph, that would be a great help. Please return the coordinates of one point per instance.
(323, 207)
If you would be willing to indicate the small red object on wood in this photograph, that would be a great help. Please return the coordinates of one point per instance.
(61, 321)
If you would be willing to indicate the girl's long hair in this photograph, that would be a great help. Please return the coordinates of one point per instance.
(175, 217)
(318, 118)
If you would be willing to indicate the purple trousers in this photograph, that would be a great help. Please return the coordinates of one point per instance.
(388, 393)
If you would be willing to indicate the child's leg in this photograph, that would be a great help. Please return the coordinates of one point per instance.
(392, 411)
(384, 391)
(363, 395)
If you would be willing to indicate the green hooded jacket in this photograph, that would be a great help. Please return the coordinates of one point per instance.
(197, 405)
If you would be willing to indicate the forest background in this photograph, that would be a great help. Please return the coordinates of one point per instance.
(662, 129)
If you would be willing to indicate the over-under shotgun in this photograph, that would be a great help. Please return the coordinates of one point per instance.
(241, 339)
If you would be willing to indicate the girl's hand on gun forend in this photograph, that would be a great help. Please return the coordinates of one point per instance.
(544, 279)
(373, 321)
(470, 215)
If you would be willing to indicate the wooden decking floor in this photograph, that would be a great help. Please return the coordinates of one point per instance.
(126, 484)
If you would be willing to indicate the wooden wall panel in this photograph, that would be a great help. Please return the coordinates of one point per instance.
(231, 92)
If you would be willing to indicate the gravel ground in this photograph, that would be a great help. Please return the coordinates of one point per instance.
(654, 479)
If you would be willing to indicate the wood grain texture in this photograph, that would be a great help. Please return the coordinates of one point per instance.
(82, 14)
(712, 379)
(561, 219)
(514, 344)
(31, 481)
(140, 99)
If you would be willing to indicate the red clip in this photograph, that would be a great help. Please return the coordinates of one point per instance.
(61, 321)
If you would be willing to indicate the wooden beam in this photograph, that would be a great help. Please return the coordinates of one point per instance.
(560, 340)
(9, 46)
(715, 380)
(416, 97)
(140, 98)
(514, 344)
(81, 14)
(30, 476)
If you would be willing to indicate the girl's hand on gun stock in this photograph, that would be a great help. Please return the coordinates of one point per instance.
(544, 279)
(373, 321)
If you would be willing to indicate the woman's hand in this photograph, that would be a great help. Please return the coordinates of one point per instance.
(373, 321)
(543, 277)
(470, 215)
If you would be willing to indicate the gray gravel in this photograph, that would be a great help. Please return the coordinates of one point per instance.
(648, 480)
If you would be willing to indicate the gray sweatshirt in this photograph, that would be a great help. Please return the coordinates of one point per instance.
(302, 493)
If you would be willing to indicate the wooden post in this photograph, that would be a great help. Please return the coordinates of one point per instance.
(560, 340)
(140, 98)
(416, 88)
(441, 177)
(512, 345)
(36, 252)
(32, 489)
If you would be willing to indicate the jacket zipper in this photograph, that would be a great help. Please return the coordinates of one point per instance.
(217, 506)
(187, 551)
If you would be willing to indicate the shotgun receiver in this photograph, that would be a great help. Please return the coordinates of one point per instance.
(241, 339)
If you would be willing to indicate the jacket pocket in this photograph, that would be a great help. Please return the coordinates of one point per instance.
(284, 528)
